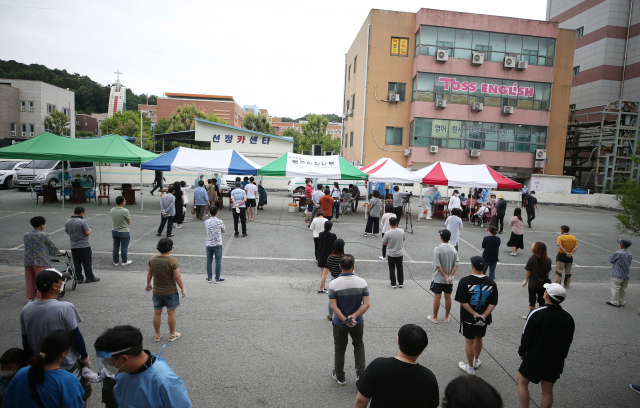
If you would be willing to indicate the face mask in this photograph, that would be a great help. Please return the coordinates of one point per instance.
(7, 374)
(113, 369)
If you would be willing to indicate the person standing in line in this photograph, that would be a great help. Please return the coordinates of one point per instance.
(159, 178)
(398, 202)
(326, 204)
(308, 192)
(11, 362)
(165, 272)
(355, 194)
(454, 201)
(212, 195)
(478, 296)
(491, 245)
(179, 204)
(471, 391)
(215, 228)
(394, 241)
(78, 230)
(200, 198)
(390, 213)
(383, 377)
(251, 189)
(387, 187)
(38, 246)
(333, 265)
(517, 232)
(445, 264)
(317, 226)
(325, 246)
(454, 225)
(494, 211)
(544, 345)
(185, 198)
(315, 198)
(373, 220)
(120, 232)
(537, 271)
(238, 201)
(167, 212)
(501, 206)
(567, 246)
(531, 206)
(336, 194)
(524, 192)
(620, 273)
(349, 299)
(244, 183)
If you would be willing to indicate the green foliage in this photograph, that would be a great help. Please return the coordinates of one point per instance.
(293, 132)
(329, 116)
(287, 119)
(127, 123)
(315, 132)
(84, 133)
(258, 123)
(628, 196)
(57, 123)
(180, 120)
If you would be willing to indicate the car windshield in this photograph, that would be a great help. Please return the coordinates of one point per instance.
(41, 164)
(7, 165)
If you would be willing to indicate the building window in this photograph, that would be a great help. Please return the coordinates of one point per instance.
(24, 129)
(32, 130)
(65, 111)
(353, 102)
(393, 136)
(576, 70)
(349, 72)
(348, 106)
(30, 106)
(51, 108)
(351, 141)
(397, 88)
(13, 129)
(580, 32)
(399, 47)
(345, 141)
(355, 59)
(572, 106)
(23, 106)
(461, 43)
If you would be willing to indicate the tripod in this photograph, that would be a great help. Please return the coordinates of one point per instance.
(408, 223)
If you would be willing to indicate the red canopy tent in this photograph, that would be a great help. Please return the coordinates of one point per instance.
(461, 175)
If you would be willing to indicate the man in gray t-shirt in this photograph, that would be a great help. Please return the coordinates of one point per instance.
(398, 202)
(394, 241)
(79, 231)
(445, 264)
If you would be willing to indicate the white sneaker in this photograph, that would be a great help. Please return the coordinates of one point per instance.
(382, 258)
(127, 263)
(116, 264)
(512, 254)
(178, 226)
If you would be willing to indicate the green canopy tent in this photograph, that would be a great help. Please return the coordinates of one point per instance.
(47, 146)
(299, 165)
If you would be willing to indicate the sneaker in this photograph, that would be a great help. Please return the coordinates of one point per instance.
(178, 226)
(116, 264)
(208, 280)
(127, 263)
(81, 281)
(476, 363)
(365, 235)
(382, 258)
(219, 280)
(169, 236)
(159, 235)
(236, 235)
(465, 367)
(400, 286)
(393, 286)
(340, 381)
(373, 236)
(612, 304)
(245, 235)
(89, 280)
(636, 388)
(512, 254)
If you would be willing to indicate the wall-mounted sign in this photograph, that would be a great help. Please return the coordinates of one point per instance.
(451, 84)
(400, 47)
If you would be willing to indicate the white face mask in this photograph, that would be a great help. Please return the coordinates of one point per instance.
(113, 369)
(7, 374)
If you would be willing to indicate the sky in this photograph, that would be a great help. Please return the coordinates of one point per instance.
(281, 55)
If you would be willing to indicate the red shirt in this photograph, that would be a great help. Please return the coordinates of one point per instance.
(308, 190)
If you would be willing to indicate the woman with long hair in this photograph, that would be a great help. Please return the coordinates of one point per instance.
(333, 265)
(44, 384)
(517, 232)
(326, 238)
(178, 193)
(537, 274)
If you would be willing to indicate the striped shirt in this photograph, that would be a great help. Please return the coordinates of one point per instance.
(621, 261)
(348, 291)
(333, 264)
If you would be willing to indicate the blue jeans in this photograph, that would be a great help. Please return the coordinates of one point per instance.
(120, 244)
(329, 305)
(217, 250)
(492, 270)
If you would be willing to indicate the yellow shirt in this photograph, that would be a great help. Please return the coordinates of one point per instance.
(568, 242)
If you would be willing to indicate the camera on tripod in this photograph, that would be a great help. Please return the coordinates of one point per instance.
(407, 198)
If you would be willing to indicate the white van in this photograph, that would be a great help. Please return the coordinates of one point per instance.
(298, 183)
(46, 172)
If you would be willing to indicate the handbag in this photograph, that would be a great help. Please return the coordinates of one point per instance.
(193, 209)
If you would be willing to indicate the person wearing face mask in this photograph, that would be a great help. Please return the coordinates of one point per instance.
(11, 361)
(143, 379)
(38, 247)
(45, 384)
(39, 319)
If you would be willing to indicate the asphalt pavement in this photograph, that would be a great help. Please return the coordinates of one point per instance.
(262, 338)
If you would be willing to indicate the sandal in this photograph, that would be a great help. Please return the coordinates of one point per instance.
(157, 338)
(175, 336)
(432, 320)
(447, 320)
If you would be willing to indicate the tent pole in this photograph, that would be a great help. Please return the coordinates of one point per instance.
(62, 183)
(420, 201)
(141, 193)
(365, 211)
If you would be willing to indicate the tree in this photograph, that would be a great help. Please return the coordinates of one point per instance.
(259, 123)
(184, 118)
(315, 132)
(84, 133)
(293, 132)
(627, 195)
(127, 123)
(329, 116)
(57, 123)
(287, 119)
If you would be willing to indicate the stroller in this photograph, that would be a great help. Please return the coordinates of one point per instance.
(480, 220)
(73, 279)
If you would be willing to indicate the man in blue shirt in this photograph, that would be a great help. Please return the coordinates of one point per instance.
(349, 300)
(620, 272)
(239, 203)
(200, 197)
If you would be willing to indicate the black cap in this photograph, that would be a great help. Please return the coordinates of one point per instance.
(445, 234)
(477, 262)
(46, 278)
(625, 242)
(456, 191)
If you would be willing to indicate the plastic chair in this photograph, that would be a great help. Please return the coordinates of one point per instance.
(103, 193)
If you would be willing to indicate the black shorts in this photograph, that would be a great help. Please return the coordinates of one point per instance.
(471, 331)
(535, 372)
(251, 202)
(539, 293)
(438, 288)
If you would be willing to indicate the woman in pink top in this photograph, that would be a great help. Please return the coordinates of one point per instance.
(517, 232)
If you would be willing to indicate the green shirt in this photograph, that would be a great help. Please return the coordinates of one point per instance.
(119, 216)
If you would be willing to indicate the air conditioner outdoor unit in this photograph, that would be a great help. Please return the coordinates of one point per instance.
(328, 153)
(433, 149)
(307, 152)
(539, 165)
(31, 134)
(507, 110)
(441, 103)
(477, 106)
(442, 55)
(13, 133)
(541, 154)
(523, 64)
(394, 97)
(30, 108)
(344, 116)
(407, 152)
(477, 58)
(349, 112)
(475, 153)
(509, 62)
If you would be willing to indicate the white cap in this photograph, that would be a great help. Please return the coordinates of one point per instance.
(556, 291)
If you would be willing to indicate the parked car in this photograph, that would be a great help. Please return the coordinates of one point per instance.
(8, 170)
(298, 184)
(45, 172)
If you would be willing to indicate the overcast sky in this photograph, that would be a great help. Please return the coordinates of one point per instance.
(285, 56)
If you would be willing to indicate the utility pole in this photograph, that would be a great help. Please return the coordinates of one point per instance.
(141, 129)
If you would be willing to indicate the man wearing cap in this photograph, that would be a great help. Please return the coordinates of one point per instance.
(531, 206)
(524, 192)
(501, 206)
(78, 230)
(567, 246)
(454, 201)
(544, 345)
(398, 202)
(478, 296)
(620, 270)
(38, 319)
(445, 263)
(238, 201)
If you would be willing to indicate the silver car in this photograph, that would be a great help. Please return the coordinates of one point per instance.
(47, 172)
(8, 170)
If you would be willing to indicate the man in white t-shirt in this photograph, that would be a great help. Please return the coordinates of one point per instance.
(251, 190)
(454, 225)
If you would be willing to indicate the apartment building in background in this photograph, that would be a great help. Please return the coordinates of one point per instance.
(225, 107)
(150, 111)
(606, 65)
(460, 88)
(25, 104)
(87, 123)
(334, 129)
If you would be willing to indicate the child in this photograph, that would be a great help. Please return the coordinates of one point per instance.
(389, 213)
(491, 245)
(11, 361)
(317, 226)
(166, 274)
